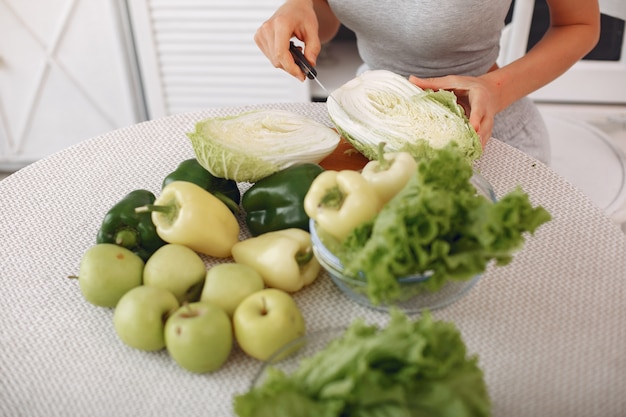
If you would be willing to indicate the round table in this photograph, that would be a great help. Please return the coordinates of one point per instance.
(549, 329)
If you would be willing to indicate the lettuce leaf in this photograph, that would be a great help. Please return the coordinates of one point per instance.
(438, 223)
(408, 368)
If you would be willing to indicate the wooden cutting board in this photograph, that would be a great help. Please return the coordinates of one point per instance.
(344, 157)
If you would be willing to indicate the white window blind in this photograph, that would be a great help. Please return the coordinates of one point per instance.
(195, 54)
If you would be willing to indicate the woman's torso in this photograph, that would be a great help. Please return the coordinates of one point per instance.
(427, 38)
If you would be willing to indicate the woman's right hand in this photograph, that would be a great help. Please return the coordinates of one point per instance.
(294, 18)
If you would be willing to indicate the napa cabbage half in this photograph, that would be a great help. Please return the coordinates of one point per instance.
(251, 145)
(382, 106)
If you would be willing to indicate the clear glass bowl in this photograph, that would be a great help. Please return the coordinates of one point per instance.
(287, 358)
(415, 295)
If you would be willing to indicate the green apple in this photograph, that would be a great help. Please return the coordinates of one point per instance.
(177, 269)
(228, 284)
(107, 272)
(140, 316)
(199, 337)
(265, 321)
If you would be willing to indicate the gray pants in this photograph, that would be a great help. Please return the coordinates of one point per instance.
(522, 126)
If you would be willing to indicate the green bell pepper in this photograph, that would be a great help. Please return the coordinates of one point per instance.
(276, 202)
(225, 190)
(134, 231)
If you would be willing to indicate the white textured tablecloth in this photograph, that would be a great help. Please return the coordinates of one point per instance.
(550, 328)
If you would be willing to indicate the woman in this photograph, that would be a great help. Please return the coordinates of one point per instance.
(446, 44)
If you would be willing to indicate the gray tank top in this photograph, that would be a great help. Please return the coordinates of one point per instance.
(427, 38)
(433, 38)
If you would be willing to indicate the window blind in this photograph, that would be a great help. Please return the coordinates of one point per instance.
(195, 54)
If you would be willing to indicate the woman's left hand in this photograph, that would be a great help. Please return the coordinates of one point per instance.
(478, 98)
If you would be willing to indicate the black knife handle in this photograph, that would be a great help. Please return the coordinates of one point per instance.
(302, 62)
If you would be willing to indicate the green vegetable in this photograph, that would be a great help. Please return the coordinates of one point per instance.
(188, 215)
(284, 258)
(438, 223)
(339, 201)
(407, 369)
(134, 231)
(252, 145)
(190, 170)
(389, 173)
(381, 106)
(277, 202)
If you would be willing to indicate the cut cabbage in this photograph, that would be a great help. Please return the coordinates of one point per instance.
(382, 106)
(252, 145)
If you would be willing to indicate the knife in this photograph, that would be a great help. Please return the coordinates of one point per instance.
(306, 67)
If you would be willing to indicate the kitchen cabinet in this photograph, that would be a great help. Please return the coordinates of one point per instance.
(195, 54)
(67, 73)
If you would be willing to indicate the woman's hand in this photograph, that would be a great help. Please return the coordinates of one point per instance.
(478, 98)
(294, 18)
(574, 30)
(311, 21)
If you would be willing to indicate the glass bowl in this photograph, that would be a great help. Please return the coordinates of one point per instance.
(288, 358)
(416, 296)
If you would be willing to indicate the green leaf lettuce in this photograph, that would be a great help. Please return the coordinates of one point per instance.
(408, 368)
(438, 223)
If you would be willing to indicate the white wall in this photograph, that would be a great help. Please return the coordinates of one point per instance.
(65, 76)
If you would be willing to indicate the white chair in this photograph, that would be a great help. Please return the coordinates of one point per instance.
(615, 8)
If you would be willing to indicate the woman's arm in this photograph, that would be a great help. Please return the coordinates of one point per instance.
(574, 31)
(311, 21)
(328, 22)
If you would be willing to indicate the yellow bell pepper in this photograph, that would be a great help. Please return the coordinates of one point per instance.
(187, 214)
(389, 173)
(339, 201)
(283, 258)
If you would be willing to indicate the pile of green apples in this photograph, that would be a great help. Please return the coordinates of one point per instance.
(173, 301)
